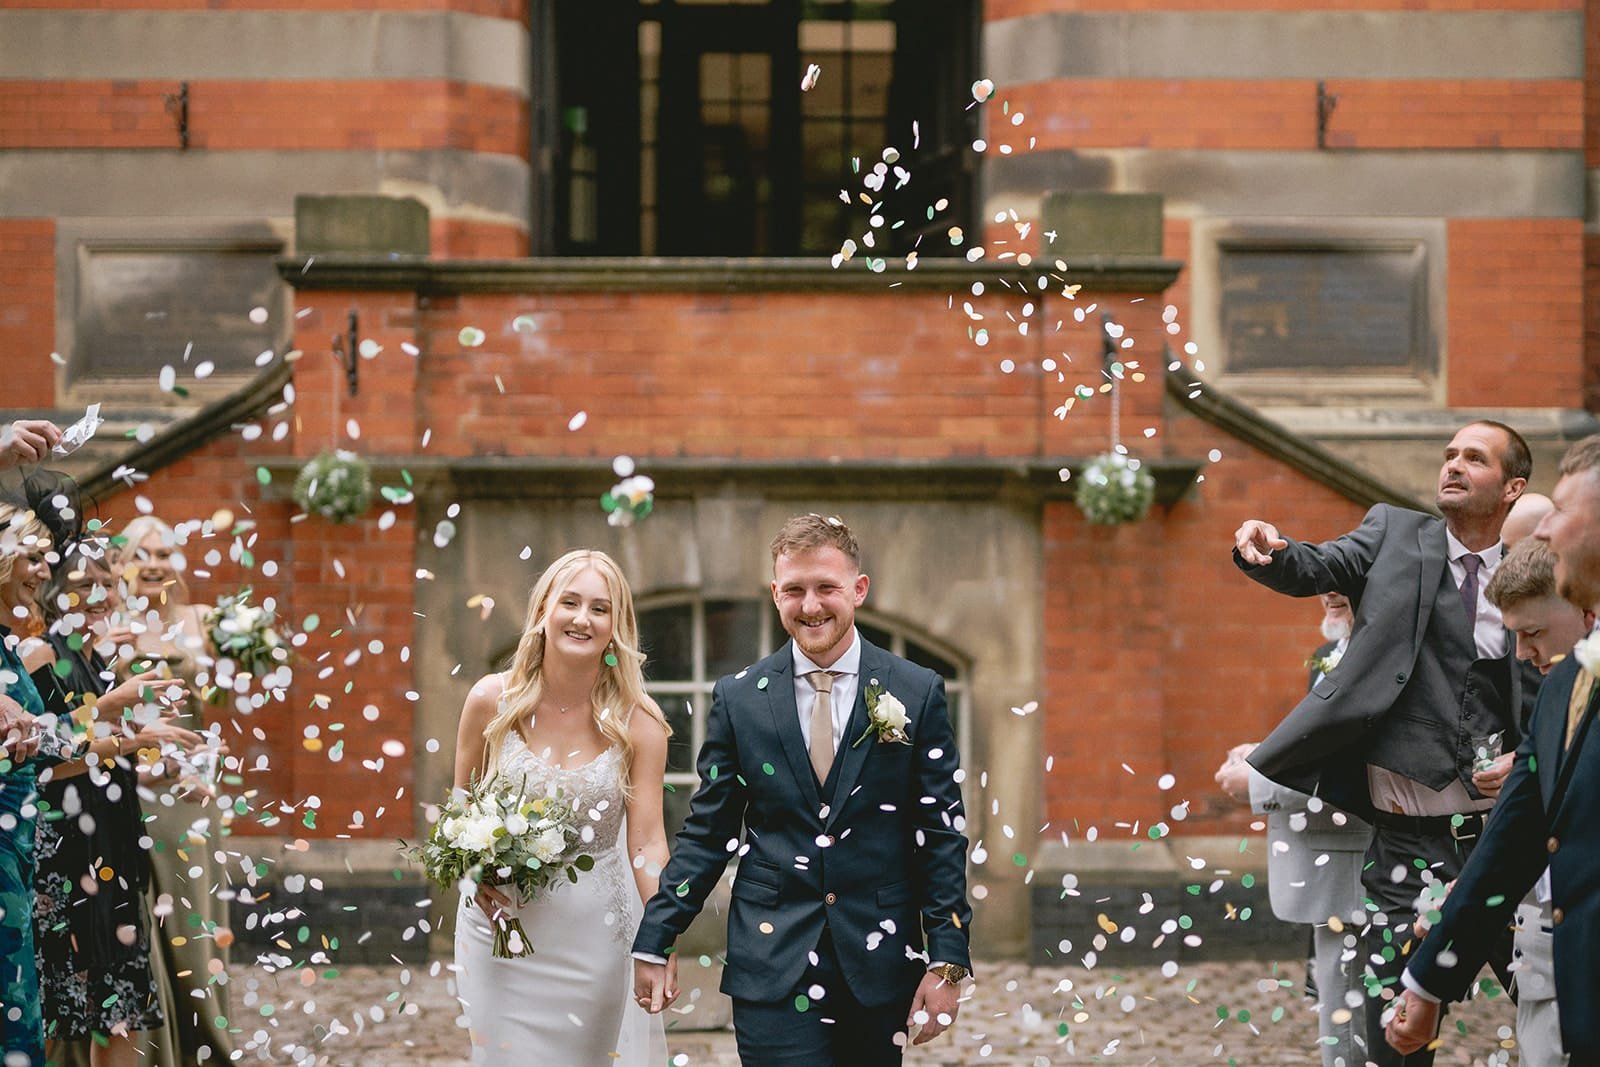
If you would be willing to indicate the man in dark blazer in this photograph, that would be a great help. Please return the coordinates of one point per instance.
(1547, 814)
(1389, 734)
(830, 768)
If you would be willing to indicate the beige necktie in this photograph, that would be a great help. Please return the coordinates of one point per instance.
(1582, 690)
(822, 723)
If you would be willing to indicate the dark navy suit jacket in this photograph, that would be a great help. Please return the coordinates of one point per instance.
(881, 859)
(1547, 814)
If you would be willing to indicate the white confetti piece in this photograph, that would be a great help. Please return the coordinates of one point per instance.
(577, 421)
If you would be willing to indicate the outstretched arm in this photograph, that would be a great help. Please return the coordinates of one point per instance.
(1299, 569)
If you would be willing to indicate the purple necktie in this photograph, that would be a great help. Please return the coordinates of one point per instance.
(1469, 588)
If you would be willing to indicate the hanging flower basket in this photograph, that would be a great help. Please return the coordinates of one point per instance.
(336, 485)
(1114, 489)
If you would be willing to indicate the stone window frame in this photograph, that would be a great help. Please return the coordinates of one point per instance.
(1427, 238)
(697, 689)
(77, 240)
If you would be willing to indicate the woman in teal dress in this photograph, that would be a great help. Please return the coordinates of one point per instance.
(24, 566)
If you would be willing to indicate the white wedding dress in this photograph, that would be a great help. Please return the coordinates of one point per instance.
(570, 1004)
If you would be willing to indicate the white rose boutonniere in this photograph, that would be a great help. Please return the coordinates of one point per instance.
(1588, 653)
(1326, 664)
(886, 717)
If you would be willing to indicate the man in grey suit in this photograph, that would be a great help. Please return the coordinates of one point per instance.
(1389, 734)
(1314, 856)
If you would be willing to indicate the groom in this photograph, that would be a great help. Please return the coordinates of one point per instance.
(834, 763)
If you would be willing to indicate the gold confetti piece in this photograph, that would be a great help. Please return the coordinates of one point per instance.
(179, 941)
(766, 928)
(1105, 923)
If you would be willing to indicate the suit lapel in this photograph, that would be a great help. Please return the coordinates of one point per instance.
(779, 670)
(1433, 548)
(1569, 754)
(875, 664)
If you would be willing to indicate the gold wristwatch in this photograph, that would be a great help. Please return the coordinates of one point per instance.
(953, 973)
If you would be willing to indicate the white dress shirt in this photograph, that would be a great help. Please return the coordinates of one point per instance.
(843, 695)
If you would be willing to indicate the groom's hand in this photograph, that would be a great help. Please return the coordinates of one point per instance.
(934, 1008)
(655, 985)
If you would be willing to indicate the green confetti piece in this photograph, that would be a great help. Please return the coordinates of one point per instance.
(767, 768)
(61, 668)
(247, 557)
(683, 889)
(1533, 764)
(712, 773)
(1244, 1015)
(1244, 914)
(310, 820)
(1248, 881)
(266, 1011)
(1222, 1012)
(1185, 923)
(1496, 900)
(180, 390)
(263, 476)
(1020, 860)
(1458, 820)
(406, 476)
(802, 1003)
(1420, 864)
(1061, 1029)
(1155, 833)
(311, 623)
(1277, 1014)
(106, 1003)
(705, 961)
(761, 684)
(1192, 890)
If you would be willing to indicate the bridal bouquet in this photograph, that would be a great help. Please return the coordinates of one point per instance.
(245, 638)
(497, 834)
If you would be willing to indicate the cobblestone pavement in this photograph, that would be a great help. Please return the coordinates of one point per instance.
(1245, 1013)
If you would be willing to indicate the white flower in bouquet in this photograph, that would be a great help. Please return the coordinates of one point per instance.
(516, 824)
(548, 844)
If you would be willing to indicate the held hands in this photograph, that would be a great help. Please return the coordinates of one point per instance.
(933, 1008)
(1256, 541)
(1491, 781)
(1234, 774)
(1415, 1023)
(655, 985)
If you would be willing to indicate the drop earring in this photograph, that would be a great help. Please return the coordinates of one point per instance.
(610, 657)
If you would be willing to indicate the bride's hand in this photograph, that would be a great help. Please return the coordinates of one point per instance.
(493, 902)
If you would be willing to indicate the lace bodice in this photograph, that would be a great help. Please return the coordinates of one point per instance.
(595, 788)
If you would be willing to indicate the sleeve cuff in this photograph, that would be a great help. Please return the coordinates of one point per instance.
(650, 957)
(1411, 983)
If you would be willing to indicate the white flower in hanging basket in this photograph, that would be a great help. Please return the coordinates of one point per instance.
(336, 485)
(1113, 489)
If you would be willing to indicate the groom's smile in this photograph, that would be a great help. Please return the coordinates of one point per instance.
(817, 591)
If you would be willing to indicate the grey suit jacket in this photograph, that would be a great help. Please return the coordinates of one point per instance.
(1314, 857)
(1390, 568)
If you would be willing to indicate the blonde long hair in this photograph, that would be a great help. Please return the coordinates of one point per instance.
(124, 562)
(20, 530)
(618, 690)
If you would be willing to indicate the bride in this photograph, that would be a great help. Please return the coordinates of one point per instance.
(571, 714)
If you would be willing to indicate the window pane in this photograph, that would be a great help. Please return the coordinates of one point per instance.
(932, 660)
(731, 636)
(680, 747)
(876, 634)
(668, 640)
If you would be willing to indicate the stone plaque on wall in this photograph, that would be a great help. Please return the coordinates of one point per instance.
(1361, 307)
(141, 307)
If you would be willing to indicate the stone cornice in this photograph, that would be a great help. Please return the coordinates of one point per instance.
(1309, 458)
(1131, 274)
(523, 477)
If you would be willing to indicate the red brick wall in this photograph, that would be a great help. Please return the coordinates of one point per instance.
(507, 9)
(1516, 312)
(1220, 113)
(28, 311)
(300, 115)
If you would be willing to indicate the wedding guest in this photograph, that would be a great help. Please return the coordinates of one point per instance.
(1526, 514)
(1314, 857)
(92, 927)
(25, 550)
(185, 878)
(1429, 663)
(1545, 817)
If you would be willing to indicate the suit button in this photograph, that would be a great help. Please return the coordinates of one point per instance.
(1551, 845)
(1400, 678)
(1556, 915)
(831, 898)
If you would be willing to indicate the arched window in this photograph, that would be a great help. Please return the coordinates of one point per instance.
(692, 641)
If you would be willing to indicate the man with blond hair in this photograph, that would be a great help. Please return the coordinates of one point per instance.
(830, 767)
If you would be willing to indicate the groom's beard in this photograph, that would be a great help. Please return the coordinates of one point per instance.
(1335, 629)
